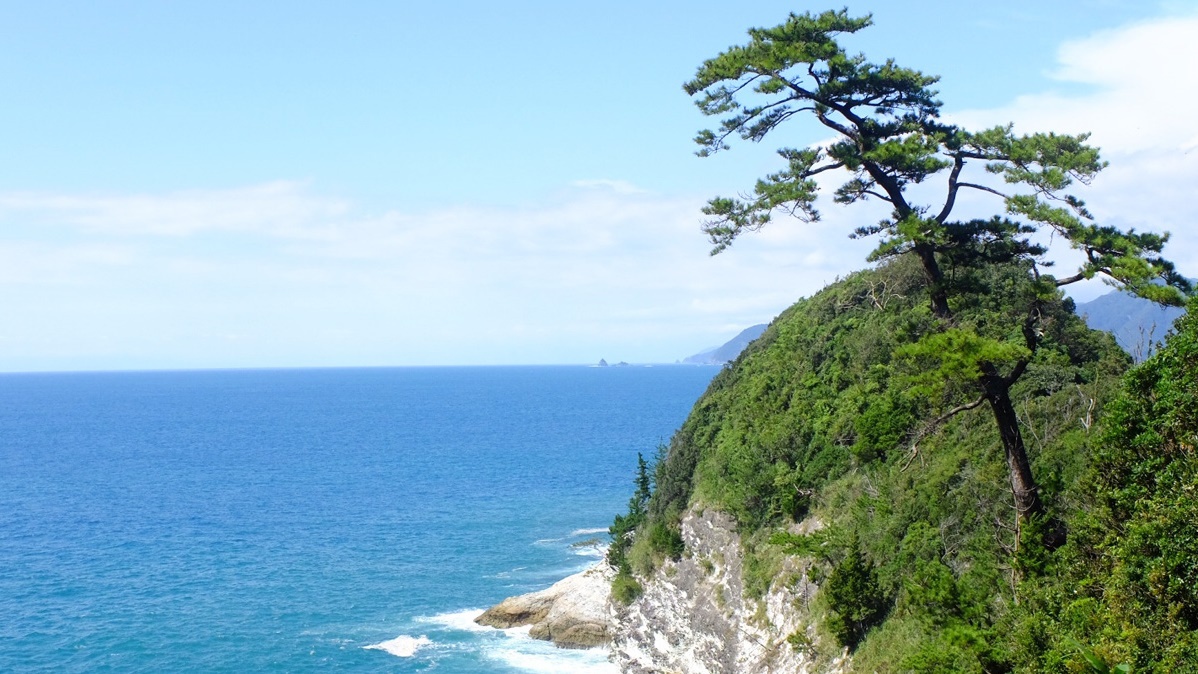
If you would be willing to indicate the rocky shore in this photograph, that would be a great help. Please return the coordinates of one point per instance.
(572, 613)
(695, 615)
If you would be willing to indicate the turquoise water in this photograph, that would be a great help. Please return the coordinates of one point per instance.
(288, 520)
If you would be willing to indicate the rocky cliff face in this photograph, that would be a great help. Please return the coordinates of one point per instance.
(695, 618)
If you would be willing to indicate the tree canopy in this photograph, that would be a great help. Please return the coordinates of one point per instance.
(890, 136)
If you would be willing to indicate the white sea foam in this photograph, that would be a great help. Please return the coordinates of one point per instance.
(463, 621)
(518, 632)
(514, 647)
(504, 575)
(540, 657)
(588, 532)
(402, 646)
(551, 576)
(596, 551)
(457, 620)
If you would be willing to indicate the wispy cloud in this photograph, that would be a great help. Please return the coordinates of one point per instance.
(619, 186)
(1140, 95)
(276, 209)
(280, 274)
(593, 271)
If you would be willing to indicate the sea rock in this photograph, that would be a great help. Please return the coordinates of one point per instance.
(696, 617)
(572, 613)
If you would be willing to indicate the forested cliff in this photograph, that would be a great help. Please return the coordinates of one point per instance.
(938, 444)
(826, 452)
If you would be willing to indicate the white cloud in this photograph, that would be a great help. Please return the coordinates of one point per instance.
(619, 186)
(305, 279)
(277, 209)
(25, 263)
(278, 274)
(1140, 90)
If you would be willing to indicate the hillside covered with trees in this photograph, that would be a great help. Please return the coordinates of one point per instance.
(996, 494)
(921, 556)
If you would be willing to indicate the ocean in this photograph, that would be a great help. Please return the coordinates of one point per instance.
(310, 520)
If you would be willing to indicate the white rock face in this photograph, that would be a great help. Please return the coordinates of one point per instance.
(694, 617)
(572, 613)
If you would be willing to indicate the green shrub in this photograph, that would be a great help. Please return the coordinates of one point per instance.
(855, 599)
(625, 588)
(665, 540)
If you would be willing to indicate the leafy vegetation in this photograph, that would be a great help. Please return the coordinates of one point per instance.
(1126, 586)
(823, 418)
(625, 587)
(921, 561)
(855, 598)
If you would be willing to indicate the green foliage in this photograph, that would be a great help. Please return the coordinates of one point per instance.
(886, 119)
(1148, 477)
(883, 425)
(851, 407)
(955, 356)
(1125, 584)
(625, 588)
(817, 545)
(818, 417)
(958, 648)
(822, 393)
(664, 539)
(888, 137)
(1097, 664)
(855, 598)
(802, 643)
(778, 423)
(761, 564)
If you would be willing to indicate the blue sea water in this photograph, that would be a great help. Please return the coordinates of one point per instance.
(309, 520)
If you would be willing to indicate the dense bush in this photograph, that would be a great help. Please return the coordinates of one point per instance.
(854, 597)
(1141, 573)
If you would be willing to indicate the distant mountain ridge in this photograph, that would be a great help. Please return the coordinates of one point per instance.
(1137, 324)
(729, 350)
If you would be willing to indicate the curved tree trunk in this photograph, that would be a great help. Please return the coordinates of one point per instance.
(1024, 489)
(1023, 485)
(935, 277)
(996, 389)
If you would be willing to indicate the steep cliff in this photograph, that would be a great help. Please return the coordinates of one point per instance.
(900, 555)
(695, 616)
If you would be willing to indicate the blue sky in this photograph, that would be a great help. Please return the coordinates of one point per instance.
(298, 184)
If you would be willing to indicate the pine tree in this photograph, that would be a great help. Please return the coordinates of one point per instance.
(888, 138)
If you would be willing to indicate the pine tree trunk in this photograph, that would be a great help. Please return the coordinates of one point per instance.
(1026, 493)
(935, 278)
(997, 391)
(1023, 485)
